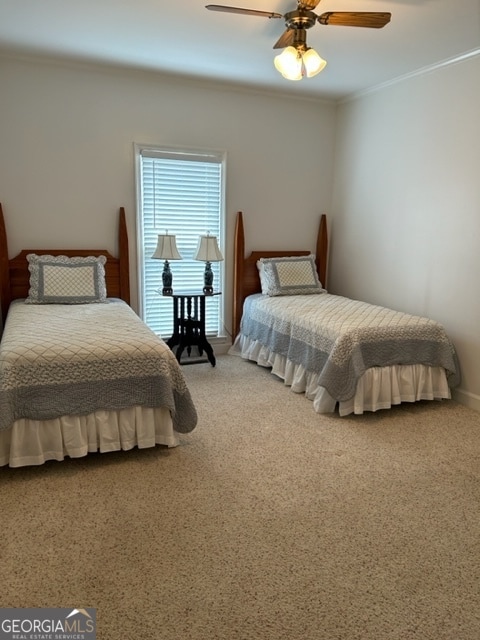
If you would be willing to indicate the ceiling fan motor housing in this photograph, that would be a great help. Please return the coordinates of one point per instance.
(300, 19)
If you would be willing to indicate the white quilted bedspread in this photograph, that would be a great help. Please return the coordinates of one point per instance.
(341, 338)
(74, 359)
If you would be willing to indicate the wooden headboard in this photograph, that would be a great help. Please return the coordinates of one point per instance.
(15, 276)
(246, 280)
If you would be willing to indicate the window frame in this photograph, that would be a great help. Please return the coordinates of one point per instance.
(187, 153)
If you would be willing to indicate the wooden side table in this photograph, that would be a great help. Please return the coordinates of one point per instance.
(189, 324)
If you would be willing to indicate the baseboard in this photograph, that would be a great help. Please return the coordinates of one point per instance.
(221, 348)
(466, 398)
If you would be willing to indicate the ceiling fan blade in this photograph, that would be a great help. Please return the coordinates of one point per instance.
(309, 5)
(286, 39)
(248, 12)
(371, 19)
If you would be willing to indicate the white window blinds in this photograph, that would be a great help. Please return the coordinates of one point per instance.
(181, 193)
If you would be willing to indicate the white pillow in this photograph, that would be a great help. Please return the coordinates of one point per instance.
(263, 279)
(64, 280)
(292, 275)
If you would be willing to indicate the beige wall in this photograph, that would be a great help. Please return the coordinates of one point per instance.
(406, 209)
(67, 137)
(405, 215)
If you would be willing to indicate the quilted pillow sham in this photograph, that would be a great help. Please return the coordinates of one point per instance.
(64, 280)
(293, 275)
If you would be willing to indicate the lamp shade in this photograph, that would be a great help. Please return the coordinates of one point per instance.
(313, 62)
(208, 250)
(289, 63)
(166, 248)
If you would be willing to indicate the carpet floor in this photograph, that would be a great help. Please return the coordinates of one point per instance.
(268, 522)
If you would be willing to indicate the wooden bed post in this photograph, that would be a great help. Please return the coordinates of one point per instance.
(322, 250)
(4, 269)
(123, 257)
(239, 257)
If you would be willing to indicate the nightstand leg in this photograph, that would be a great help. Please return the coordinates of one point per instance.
(203, 344)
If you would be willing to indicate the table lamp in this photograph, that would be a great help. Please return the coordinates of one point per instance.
(208, 252)
(167, 250)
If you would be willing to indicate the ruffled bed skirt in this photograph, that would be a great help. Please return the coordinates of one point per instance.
(33, 442)
(378, 388)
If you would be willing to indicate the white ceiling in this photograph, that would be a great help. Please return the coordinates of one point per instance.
(184, 38)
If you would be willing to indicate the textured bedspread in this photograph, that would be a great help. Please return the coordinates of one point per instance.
(340, 338)
(74, 359)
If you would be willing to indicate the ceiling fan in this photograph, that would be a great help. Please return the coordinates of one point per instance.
(298, 60)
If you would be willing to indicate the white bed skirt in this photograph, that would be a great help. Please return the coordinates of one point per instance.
(378, 388)
(33, 442)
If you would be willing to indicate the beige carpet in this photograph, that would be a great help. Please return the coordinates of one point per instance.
(269, 522)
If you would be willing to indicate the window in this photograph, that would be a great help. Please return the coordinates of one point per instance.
(182, 193)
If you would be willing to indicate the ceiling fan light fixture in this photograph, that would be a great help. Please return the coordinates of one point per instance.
(313, 63)
(289, 63)
(294, 63)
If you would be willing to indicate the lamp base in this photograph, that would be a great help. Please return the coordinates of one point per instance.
(167, 279)
(208, 278)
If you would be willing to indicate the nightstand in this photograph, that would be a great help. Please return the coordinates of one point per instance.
(189, 324)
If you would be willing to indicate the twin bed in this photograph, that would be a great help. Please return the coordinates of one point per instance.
(79, 371)
(344, 354)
